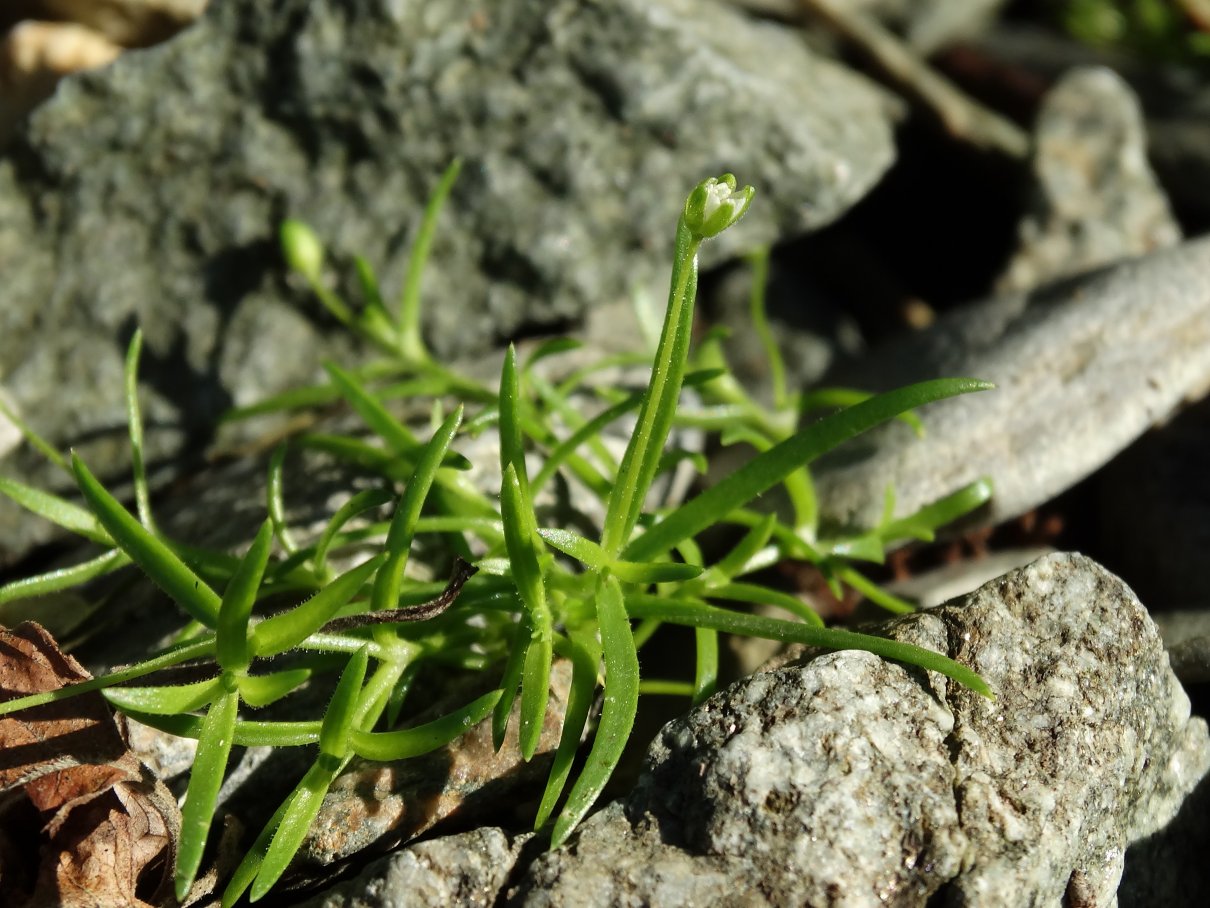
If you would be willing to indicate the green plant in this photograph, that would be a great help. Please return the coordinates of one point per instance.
(1157, 29)
(539, 591)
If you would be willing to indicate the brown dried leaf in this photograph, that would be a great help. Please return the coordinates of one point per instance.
(111, 827)
(47, 739)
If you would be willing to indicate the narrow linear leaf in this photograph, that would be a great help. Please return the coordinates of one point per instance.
(617, 715)
(654, 571)
(594, 557)
(43, 447)
(828, 398)
(403, 524)
(195, 650)
(758, 261)
(705, 673)
(302, 807)
(365, 500)
(514, 667)
(583, 651)
(261, 690)
(674, 457)
(412, 742)
(398, 437)
(763, 595)
(285, 631)
(874, 592)
(63, 578)
(699, 614)
(397, 668)
(523, 544)
(551, 347)
(663, 687)
(134, 422)
(411, 343)
(250, 866)
(209, 765)
(771, 467)
(563, 451)
(522, 541)
(563, 408)
(375, 319)
(535, 690)
(274, 501)
(338, 720)
(578, 547)
(232, 644)
(511, 450)
(246, 734)
(924, 523)
(55, 509)
(166, 700)
(159, 562)
(735, 562)
(304, 398)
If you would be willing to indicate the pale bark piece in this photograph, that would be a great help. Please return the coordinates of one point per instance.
(1082, 368)
(34, 56)
(130, 23)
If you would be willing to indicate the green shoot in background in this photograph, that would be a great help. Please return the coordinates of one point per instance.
(541, 591)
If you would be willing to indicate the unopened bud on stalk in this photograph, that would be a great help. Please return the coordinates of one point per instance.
(303, 251)
(715, 205)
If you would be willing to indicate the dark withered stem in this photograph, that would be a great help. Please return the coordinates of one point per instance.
(421, 611)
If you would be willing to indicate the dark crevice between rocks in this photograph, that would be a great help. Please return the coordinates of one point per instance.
(529, 853)
(916, 225)
(942, 896)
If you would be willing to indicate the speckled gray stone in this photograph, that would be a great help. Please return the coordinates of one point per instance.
(1083, 367)
(1094, 198)
(468, 869)
(848, 780)
(150, 193)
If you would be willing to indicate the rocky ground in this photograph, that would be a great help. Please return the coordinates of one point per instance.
(953, 188)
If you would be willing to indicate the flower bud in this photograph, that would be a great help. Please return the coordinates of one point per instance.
(303, 251)
(715, 205)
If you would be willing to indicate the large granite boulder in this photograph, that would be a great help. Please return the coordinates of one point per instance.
(847, 780)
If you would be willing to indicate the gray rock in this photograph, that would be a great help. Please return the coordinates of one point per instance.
(1094, 198)
(845, 779)
(466, 869)
(150, 192)
(1082, 368)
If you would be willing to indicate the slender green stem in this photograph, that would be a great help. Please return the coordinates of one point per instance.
(134, 420)
(659, 403)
